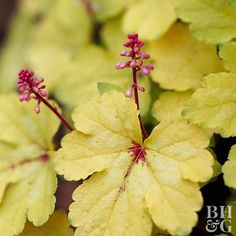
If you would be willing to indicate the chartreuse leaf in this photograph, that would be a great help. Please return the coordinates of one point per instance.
(170, 104)
(210, 21)
(80, 78)
(133, 183)
(213, 106)
(27, 178)
(67, 32)
(105, 87)
(57, 225)
(228, 54)
(104, 9)
(188, 59)
(112, 36)
(150, 18)
(67, 24)
(229, 168)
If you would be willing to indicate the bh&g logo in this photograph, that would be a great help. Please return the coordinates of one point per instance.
(219, 218)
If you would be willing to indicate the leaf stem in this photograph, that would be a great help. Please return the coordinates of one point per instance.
(55, 111)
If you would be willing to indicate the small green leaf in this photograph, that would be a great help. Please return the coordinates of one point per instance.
(105, 87)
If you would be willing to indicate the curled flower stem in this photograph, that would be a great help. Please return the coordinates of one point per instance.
(54, 110)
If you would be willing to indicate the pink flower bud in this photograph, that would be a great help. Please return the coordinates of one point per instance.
(144, 55)
(127, 44)
(21, 98)
(144, 70)
(133, 63)
(129, 92)
(136, 49)
(43, 93)
(141, 89)
(132, 36)
(121, 65)
(123, 53)
(37, 109)
(149, 67)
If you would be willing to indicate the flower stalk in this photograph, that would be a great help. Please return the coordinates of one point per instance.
(30, 87)
(137, 65)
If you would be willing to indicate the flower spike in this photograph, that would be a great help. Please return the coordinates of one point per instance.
(136, 63)
(137, 56)
(31, 87)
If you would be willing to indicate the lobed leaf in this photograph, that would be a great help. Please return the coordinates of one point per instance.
(170, 104)
(57, 225)
(150, 18)
(188, 59)
(27, 178)
(213, 106)
(210, 21)
(128, 191)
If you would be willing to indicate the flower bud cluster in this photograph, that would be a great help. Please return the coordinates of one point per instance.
(30, 87)
(136, 55)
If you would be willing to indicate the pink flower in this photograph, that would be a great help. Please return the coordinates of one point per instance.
(136, 55)
(30, 87)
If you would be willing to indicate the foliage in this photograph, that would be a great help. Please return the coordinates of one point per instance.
(27, 178)
(107, 135)
(131, 184)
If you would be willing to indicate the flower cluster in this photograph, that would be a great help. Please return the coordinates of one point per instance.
(137, 56)
(30, 87)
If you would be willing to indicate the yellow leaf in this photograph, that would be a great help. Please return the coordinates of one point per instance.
(57, 225)
(170, 104)
(213, 106)
(210, 21)
(27, 178)
(229, 168)
(188, 59)
(228, 54)
(150, 18)
(133, 183)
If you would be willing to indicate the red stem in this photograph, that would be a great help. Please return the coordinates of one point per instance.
(54, 110)
(136, 99)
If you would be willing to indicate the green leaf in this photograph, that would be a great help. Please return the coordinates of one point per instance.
(105, 87)
(105, 10)
(210, 21)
